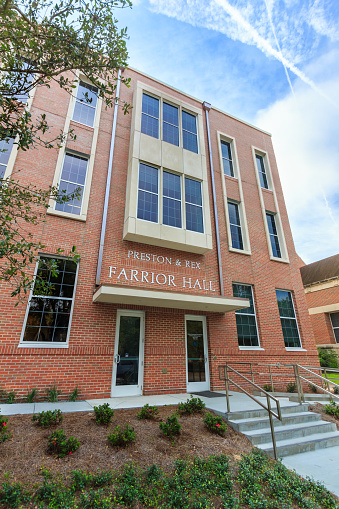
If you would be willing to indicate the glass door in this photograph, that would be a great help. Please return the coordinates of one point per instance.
(128, 354)
(197, 354)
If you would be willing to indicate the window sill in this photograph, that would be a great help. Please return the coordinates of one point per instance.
(295, 349)
(42, 345)
(251, 348)
(239, 251)
(66, 215)
(281, 260)
(231, 178)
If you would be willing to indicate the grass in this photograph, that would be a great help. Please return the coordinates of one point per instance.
(331, 375)
(257, 483)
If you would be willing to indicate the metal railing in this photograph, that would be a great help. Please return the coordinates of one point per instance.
(298, 377)
(224, 375)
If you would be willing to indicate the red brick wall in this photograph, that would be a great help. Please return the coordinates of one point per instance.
(321, 322)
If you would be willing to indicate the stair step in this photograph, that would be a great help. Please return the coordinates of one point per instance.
(303, 444)
(248, 414)
(244, 425)
(263, 436)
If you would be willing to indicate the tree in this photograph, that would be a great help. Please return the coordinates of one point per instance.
(41, 42)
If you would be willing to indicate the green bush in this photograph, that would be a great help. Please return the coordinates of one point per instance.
(171, 427)
(74, 394)
(267, 387)
(332, 409)
(31, 395)
(61, 445)
(313, 388)
(53, 393)
(103, 414)
(291, 387)
(336, 390)
(13, 495)
(191, 406)
(120, 437)
(148, 412)
(328, 358)
(4, 433)
(215, 424)
(10, 397)
(48, 418)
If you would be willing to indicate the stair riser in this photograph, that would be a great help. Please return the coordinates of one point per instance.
(263, 413)
(290, 450)
(251, 426)
(297, 433)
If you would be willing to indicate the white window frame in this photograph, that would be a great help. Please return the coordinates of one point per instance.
(233, 202)
(81, 79)
(290, 348)
(333, 328)
(202, 204)
(274, 215)
(46, 344)
(84, 186)
(267, 168)
(242, 347)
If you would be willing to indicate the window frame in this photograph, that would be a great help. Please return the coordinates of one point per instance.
(243, 241)
(270, 235)
(224, 141)
(82, 80)
(50, 344)
(83, 156)
(334, 327)
(246, 347)
(159, 201)
(289, 348)
(265, 172)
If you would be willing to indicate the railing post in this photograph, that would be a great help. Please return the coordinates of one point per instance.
(272, 428)
(252, 372)
(271, 378)
(299, 386)
(227, 390)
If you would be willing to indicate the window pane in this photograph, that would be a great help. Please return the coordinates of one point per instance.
(288, 320)
(227, 158)
(170, 134)
(226, 149)
(271, 224)
(235, 226)
(189, 122)
(170, 114)
(85, 105)
(147, 206)
(228, 167)
(5, 151)
(335, 319)
(193, 191)
(273, 236)
(84, 114)
(189, 133)
(261, 171)
(72, 206)
(87, 94)
(171, 200)
(285, 304)
(73, 177)
(194, 220)
(245, 318)
(150, 116)
(233, 212)
(189, 141)
(150, 105)
(171, 183)
(244, 292)
(148, 178)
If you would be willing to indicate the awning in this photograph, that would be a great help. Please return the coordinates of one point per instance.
(112, 294)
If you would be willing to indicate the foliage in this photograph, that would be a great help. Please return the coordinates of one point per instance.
(332, 409)
(103, 414)
(82, 479)
(4, 433)
(148, 412)
(267, 387)
(31, 395)
(291, 387)
(336, 390)
(10, 397)
(215, 424)
(171, 427)
(328, 358)
(61, 445)
(119, 437)
(48, 418)
(191, 406)
(74, 394)
(13, 495)
(313, 387)
(53, 393)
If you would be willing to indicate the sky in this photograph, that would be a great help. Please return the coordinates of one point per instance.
(272, 63)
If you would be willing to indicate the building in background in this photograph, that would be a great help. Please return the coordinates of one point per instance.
(321, 283)
(187, 258)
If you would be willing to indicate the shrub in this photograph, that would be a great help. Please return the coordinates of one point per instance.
(48, 418)
(74, 394)
(10, 397)
(31, 395)
(215, 424)
(53, 393)
(313, 388)
(332, 409)
(328, 358)
(267, 387)
(191, 406)
(291, 387)
(62, 446)
(148, 412)
(336, 390)
(171, 427)
(4, 433)
(13, 495)
(120, 437)
(103, 414)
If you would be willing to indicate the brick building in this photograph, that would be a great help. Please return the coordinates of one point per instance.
(187, 258)
(321, 283)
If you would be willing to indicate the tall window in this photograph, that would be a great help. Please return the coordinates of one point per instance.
(227, 158)
(193, 202)
(245, 318)
(261, 171)
(20, 81)
(189, 132)
(288, 319)
(49, 315)
(150, 116)
(5, 152)
(73, 178)
(148, 193)
(235, 225)
(171, 204)
(272, 228)
(335, 325)
(85, 104)
(170, 124)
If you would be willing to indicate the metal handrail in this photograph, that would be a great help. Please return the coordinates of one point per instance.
(269, 396)
(298, 377)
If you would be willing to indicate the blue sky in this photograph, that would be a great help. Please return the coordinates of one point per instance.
(273, 63)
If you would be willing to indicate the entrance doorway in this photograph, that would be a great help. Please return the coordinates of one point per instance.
(128, 363)
(197, 368)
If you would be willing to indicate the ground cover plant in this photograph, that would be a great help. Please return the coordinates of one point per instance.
(59, 444)
(121, 437)
(48, 418)
(291, 387)
(4, 433)
(332, 409)
(215, 424)
(103, 414)
(171, 427)
(191, 406)
(148, 412)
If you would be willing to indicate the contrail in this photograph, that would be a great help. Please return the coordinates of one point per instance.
(265, 45)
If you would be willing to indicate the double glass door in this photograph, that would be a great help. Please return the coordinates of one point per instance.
(197, 354)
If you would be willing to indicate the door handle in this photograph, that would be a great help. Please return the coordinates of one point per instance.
(117, 358)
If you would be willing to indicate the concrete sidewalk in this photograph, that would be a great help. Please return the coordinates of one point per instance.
(322, 465)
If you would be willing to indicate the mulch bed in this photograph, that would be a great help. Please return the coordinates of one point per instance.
(320, 409)
(25, 453)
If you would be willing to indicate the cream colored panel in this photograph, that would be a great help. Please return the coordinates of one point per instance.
(172, 157)
(147, 228)
(150, 149)
(193, 165)
(330, 308)
(173, 234)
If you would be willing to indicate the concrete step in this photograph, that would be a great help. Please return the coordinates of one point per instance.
(292, 431)
(248, 414)
(247, 425)
(305, 444)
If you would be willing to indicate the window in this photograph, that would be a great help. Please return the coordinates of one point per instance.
(171, 205)
(19, 80)
(227, 158)
(148, 193)
(335, 325)
(85, 104)
(49, 315)
(73, 177)
(261, 171)
(273, 235)
(170, 124)
(245, 318)
(288, 319)
(150, 116)
(193, 202)
(235, 225)
(5, 152)
(189, 132)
